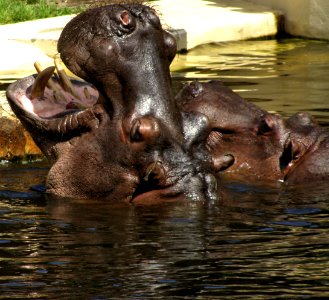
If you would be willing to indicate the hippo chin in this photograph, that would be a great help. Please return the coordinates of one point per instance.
(120, 136)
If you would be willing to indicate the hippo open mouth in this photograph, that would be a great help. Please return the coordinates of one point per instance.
(48, 105)
(46, 94)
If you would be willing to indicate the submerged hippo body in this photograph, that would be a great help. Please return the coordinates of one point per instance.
(123, 137)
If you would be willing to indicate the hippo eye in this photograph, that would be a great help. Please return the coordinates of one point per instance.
(196, 89)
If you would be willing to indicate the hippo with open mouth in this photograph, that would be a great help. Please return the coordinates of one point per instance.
(120, 134)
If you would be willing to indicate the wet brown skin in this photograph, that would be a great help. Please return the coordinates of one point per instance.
(310, 150)
(266, 148)
(238, 129)
(226, 110)
(131, 141)
(258, 158)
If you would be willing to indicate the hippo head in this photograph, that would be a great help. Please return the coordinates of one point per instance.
(259, 142)
(122, 136)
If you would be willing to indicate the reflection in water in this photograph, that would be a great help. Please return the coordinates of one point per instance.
(255, 242)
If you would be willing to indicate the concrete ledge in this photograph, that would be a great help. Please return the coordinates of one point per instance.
(218, 20)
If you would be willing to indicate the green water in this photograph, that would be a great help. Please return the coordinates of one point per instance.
(253, 243)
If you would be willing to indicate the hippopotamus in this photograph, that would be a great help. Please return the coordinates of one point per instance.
(265, 147)
(237, 128)
(119, 134)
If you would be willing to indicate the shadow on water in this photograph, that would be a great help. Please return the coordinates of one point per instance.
(254, 242)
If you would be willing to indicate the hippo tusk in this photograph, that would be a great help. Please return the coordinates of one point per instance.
(64, 79)
(51, 84)
(155, 171)
(40, 83)
(86, 93)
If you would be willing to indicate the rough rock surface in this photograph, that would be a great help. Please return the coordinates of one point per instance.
(15, 142)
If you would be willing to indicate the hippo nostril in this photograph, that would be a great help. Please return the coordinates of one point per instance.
(144, 129)
(223, 162)
(135, 134)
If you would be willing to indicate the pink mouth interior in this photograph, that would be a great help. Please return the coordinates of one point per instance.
(49, 106)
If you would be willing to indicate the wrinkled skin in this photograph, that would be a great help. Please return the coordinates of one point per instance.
(130, 141)
(258, 158)
(124, 136)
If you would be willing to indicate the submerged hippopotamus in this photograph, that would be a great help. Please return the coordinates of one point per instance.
(265, 147)
(121, 135)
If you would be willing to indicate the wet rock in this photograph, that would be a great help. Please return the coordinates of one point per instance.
(15, 142)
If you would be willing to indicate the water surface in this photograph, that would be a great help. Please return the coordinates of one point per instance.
(253, 243)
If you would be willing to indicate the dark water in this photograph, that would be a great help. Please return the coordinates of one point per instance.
(253, 243)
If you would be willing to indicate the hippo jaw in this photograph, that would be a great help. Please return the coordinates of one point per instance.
(78, 143)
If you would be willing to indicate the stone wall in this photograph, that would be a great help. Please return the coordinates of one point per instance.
(15, 142)
(305, 18)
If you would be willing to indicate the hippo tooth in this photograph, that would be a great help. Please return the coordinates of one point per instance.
(40, 83)
(156, 170)
(86, 93)
(64, 79)
(51, 84)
